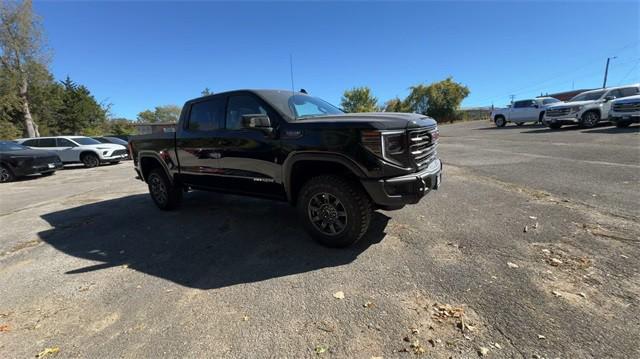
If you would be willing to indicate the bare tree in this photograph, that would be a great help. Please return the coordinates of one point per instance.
(20, 44)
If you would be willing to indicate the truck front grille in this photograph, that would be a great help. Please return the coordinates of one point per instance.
(559, 112)
(119, 152)
(627, 107)
(422, 145)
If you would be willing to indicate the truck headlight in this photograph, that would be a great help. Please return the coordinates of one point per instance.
(388, 145)
(576, 108)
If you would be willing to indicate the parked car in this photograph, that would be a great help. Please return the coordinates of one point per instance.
(78, 149)
(335, 167)
(522, 111)
(625, 111)
(116, 140)
(17, 161)
(587, 108)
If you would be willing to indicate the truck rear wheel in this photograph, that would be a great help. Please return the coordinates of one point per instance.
(335, 211)
(165, 194)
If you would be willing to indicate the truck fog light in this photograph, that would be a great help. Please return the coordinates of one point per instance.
(105, 152)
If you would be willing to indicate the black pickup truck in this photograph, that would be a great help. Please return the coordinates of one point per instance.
(335, 167)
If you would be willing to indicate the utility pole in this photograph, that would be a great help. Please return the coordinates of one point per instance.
(606, 71)
(512, 97)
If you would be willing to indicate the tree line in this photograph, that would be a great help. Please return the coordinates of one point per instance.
(440, 100)
(32, 102)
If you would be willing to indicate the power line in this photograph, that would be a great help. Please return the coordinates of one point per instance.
(563, 74)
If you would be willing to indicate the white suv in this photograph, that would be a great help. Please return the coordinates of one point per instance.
(588, 108)
(78, 149)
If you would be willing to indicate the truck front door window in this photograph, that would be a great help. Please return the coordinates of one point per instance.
(239, 106)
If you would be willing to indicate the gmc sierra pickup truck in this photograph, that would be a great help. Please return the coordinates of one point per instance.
(336, 167)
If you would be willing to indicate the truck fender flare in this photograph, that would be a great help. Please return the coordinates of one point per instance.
(155, 156)
(290, 161)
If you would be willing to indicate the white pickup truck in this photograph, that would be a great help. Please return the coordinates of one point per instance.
(587, 108)
(625, 111)
(522, 111)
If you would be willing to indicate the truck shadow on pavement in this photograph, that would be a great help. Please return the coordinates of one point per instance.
(212, 241)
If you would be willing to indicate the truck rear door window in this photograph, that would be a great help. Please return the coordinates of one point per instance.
(206, 115)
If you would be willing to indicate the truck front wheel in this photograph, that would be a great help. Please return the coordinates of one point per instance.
(165, 194)
(500, 121)
(335, 211)
(590, 119)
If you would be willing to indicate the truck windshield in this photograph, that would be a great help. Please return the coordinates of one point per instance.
(308, 106)
(588, 96)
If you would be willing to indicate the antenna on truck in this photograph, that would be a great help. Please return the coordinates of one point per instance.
(293, 91)
(291, 69)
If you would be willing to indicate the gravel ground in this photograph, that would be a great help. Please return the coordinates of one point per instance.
(529, 249)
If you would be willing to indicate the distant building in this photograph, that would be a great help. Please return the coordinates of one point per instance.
(565, 96)
(149, 128)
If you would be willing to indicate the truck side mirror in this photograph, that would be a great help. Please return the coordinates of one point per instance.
(257, 121)
(609, 98)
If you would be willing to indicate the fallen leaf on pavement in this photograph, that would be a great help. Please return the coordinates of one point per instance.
(48, 351)
(583, 295)
(540, 336)
(5, 328)
(533, 217)
(483, 351)
(368, 305)
(512, 265)
(319, 349)
(555, 262)
(557, 294)
(338, 295)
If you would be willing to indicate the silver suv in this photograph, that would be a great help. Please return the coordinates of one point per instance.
(78, 149)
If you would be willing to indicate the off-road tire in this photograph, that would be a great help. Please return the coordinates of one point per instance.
(500, 121)
(90, 160)
(354, 201)
(164, 194)
(6, 175)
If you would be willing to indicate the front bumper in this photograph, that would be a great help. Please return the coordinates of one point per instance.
(568, 120)
(39, 168)
(624, 117)
(114, 158)
(407, 189)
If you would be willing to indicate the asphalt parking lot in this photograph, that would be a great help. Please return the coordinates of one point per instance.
(529, 249)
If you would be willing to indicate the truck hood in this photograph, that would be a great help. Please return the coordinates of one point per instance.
(629, 99)
(572, 104)
(376, 120)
